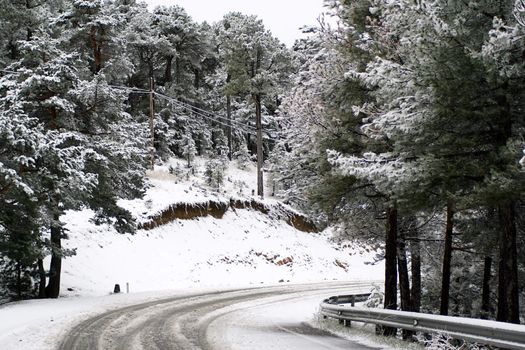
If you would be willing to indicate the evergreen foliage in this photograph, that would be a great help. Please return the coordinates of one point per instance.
(404, 118)
(417, 105)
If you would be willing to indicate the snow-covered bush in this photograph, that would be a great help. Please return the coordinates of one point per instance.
(443, 341)
(214, 172)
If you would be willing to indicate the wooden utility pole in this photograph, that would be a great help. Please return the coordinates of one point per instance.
(260, 183)
(151, 125)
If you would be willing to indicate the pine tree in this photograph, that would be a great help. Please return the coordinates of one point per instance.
(256, 66)
(20, 242)
(188, 148)
(446, 116)
(91, 150)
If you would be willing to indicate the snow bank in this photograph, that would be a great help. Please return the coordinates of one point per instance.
(245, 247)
(241, 249)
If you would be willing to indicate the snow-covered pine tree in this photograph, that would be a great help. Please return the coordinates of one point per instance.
(448, 119)
(92, 151)
(189, 151)
(21, 245)
(185, 52)
(256, 67)
(41, 90)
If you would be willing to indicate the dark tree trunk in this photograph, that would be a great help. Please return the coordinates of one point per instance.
(53, 286)
(18, 281)
(197, 78)
(168, 78)
(29, 32)
(260, 183)
(447, 259)
(508, 293)
(391, 266)
(402, 267)
(42, 277)
(404, 282)
(177, 71)
(229, 116)
(415, 264)
(485, 296)
(53, 123)
(152, 122)
(97, 49)
(13, 50)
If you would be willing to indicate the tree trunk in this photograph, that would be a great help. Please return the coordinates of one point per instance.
(13, 50)
(402, 267)
(42, 277)
(391, 266)
(415, 264)
(97, 49)
(404, 283)
(508, 293)
(197, 78)
(485, 297)
(229, 116)
(53, 286)
(168, 78)
(260, 183)
(177, 71)
(152, 124)
(18, 281)
(447, 259)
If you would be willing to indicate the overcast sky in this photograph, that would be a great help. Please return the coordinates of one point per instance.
(282, 17)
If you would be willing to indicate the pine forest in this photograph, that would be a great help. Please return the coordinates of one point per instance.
(400, 124)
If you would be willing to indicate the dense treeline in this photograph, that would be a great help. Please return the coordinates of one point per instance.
(407, 125)
(401, 125)
(74, 113)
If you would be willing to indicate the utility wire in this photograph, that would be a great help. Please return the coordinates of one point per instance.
(130, 89)
(198, 111)
(9, 71)
(185, 104)
(202, 112)
(195, 110)
(236, 127)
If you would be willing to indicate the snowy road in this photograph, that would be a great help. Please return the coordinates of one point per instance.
(263, 318)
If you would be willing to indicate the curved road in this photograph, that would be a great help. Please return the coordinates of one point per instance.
(203, 322)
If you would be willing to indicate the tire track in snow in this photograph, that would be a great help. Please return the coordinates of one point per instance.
(179, 322)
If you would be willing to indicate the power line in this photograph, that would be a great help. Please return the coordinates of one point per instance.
(10, 72)
(130, 89)
(198, 111)
(195, 110)
(203, 113)
(187, 105)
(236, 127)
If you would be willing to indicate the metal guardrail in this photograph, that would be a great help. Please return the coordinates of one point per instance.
(505, 335)
(348, 299)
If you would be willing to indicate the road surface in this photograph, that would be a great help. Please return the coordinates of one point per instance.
(250, 319)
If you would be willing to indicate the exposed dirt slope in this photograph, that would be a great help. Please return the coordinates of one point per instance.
(217, 209)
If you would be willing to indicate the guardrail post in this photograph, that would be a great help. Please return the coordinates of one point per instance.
(352, 300)
(348, 323)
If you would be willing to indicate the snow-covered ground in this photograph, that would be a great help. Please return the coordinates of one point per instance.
(244, 248)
